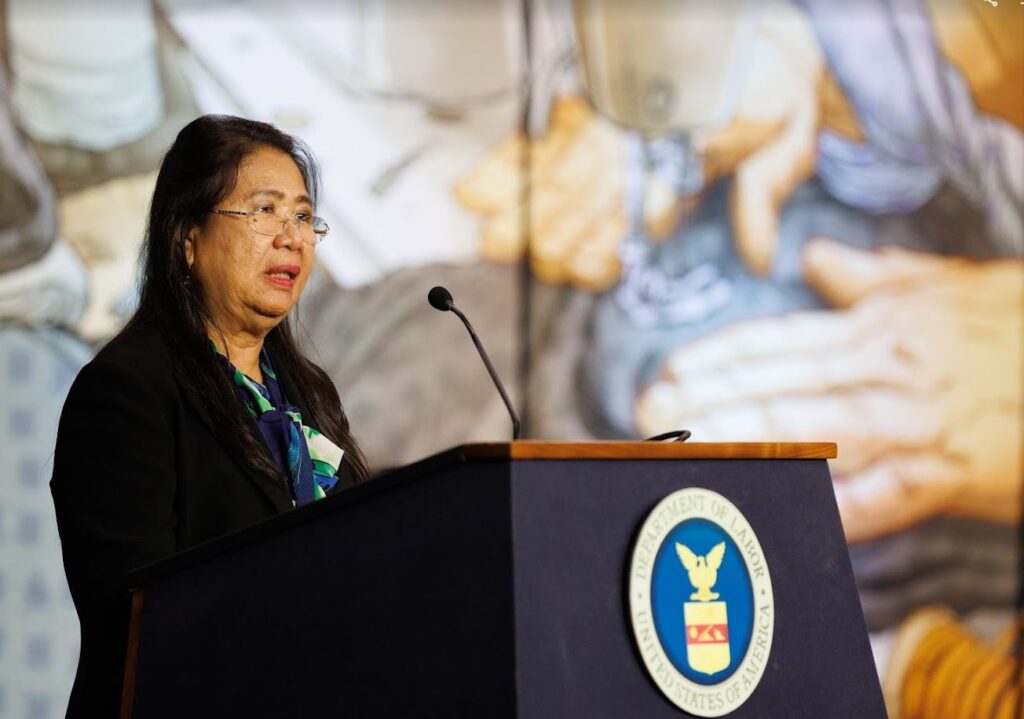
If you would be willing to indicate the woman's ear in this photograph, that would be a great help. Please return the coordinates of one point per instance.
(190, 247)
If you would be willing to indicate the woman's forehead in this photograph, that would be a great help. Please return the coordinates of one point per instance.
(267, 171)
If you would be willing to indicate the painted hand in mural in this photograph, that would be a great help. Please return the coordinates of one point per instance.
(769, 147)
(575, 199)
(916, 375)
(573, 196)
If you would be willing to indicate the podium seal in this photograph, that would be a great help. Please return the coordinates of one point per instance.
(701, 602)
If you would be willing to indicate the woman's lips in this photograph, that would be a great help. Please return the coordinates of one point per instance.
(283, 276)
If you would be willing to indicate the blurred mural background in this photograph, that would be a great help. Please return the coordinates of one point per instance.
(780, 220)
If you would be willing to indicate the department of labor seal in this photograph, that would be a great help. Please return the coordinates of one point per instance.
(700, 600)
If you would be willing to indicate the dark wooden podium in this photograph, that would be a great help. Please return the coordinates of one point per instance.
(490, 581)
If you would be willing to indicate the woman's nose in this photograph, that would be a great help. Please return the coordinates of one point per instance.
(289, 235)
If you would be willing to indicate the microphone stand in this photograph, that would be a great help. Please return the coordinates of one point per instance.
(490, 369)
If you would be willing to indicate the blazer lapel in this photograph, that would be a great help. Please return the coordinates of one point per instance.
(274, 488)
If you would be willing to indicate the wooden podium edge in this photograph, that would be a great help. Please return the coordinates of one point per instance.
(131, 656)
(532, 449)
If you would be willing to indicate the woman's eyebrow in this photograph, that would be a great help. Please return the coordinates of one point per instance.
(277, 195)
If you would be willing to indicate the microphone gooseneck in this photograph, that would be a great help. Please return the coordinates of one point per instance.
(441, 299)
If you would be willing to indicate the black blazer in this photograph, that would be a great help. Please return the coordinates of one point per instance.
(140, 473)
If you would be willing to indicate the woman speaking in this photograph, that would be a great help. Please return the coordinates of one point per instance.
(202, 416)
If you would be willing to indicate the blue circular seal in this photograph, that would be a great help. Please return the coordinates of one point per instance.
(701, 602)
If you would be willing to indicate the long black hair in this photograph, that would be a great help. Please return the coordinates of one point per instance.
(198, 171)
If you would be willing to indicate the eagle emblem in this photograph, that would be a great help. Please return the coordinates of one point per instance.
(703, 571)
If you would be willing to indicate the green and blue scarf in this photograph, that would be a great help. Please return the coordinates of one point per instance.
(309, 459)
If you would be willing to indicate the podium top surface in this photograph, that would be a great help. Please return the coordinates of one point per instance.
(533, 449)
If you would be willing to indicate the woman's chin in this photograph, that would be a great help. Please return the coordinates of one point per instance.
(272, 311)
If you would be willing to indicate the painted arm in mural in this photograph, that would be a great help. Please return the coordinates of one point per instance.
(932, 95)
(912, 100)
(916, 374)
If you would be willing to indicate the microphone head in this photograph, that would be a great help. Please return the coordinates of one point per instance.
(440, 299)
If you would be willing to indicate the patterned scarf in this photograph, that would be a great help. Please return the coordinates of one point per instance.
(308, 458)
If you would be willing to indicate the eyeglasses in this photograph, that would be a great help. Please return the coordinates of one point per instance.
(311, 228)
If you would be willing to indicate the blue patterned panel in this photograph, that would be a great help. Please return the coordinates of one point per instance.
(38, 627)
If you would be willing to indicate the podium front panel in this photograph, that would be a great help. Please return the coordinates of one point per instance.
(397, 605)
(575, 524)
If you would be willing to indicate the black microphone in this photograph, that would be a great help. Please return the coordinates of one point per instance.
(441, 299)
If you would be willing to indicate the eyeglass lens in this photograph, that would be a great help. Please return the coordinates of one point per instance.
(269, 224)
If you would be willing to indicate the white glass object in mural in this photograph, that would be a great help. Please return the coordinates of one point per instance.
(85, 74)
(444, 53)
(665, 65)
